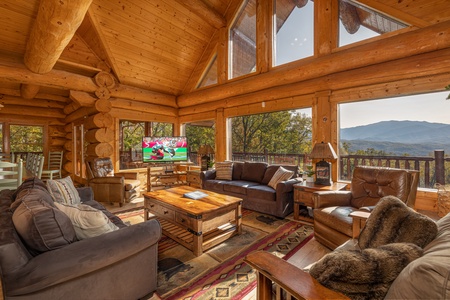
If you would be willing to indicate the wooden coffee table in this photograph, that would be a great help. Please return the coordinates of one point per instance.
(196, 224)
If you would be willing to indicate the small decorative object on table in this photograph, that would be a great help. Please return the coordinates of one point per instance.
(309, 173)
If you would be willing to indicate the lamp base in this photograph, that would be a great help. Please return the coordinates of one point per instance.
(323, 173)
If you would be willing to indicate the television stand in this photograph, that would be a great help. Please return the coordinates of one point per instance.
(167, 175)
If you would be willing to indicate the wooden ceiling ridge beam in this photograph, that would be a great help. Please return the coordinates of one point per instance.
(68, 81)
(206, 12)
(394, 13)
(55, 25)
(429, 39)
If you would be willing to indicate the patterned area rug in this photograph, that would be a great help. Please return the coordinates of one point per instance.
(220, 272)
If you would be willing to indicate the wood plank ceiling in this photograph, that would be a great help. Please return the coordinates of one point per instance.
(153, 45)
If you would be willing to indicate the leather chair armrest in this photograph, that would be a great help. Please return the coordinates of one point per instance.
(85, 256)
(331, 198)
(107, 180)
(293, 280)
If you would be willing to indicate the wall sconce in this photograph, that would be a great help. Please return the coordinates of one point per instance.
(323, 168)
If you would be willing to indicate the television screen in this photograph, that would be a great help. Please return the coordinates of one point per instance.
(164, 149)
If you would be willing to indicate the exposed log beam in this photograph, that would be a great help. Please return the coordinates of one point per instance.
(68, 81)
(209, 14)
(82, 98)
(411, 43)
(394, 13)
(33, 111)
(29, 91)
(54, 27)
(14, 100)
(143, 107)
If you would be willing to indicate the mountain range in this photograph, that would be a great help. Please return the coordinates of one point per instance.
(416, 138)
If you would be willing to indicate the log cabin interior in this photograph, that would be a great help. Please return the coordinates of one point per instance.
(88, 64)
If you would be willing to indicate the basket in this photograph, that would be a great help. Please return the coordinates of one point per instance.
(443, 202)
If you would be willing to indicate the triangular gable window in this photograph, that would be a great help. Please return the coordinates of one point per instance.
(210, 76)
(358, 22)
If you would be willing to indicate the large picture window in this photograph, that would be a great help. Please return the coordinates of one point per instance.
(410, 132)
(26, 138)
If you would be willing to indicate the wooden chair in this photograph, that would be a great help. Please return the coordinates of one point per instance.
(36, 166)
(10, 175)
(54, 165)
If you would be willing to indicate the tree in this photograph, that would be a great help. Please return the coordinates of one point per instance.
(25, 138)
(200, 135)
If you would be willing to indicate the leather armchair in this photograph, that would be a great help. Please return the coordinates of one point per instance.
(110, 187)
(333, 224)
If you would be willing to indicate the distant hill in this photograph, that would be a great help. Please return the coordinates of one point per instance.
(399, 137)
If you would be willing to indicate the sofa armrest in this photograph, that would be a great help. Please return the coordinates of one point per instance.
(83, 257)
(331, 198)
(291, 279)
(208, 175)
(288, 185)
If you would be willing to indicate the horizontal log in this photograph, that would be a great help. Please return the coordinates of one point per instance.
(408, 44)
(80, 113)
(29, 91)
(143, 107)
(68, 167)
(17, 73)
(33, 111)
(99, 135)
(68, 127)
(99, 120)
(82, 98)
(141, 116)
(68, 146)
(100, 150)
(7, 100)
(71, 107)
(436, 63)
(57, 142)
(5, 116)
(103, 105)
(56, 131)
(68, 136)
(68, 155)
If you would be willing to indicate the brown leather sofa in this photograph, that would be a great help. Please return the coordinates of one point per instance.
(332, 220)
(110, 187)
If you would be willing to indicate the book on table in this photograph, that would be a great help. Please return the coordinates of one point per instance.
(195, 195)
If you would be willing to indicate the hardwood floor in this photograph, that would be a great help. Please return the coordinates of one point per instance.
(308, 254)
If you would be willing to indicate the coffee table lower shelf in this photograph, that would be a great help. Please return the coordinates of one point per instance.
(198, 242)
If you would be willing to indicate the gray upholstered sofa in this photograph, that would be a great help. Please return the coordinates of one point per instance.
(121, 264)
(249, 181)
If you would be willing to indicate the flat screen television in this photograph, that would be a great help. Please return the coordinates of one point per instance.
(164, 149)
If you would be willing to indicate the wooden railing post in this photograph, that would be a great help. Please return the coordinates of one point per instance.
(439, 166)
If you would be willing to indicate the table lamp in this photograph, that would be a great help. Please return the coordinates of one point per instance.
(323, 168)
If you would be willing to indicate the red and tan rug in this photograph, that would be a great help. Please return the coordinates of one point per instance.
(220, 272)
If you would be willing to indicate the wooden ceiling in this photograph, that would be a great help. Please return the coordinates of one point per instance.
(154, 45)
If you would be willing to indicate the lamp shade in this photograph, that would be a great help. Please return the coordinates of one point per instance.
(205, 150)
(323, 151)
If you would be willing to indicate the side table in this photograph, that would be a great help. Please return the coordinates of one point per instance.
(193, 178)
(303, 197)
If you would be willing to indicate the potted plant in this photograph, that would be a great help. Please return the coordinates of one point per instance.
(210, 165)
(309, 173)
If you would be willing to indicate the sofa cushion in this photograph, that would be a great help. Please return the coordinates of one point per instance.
(87, 221)
(261, 192)
(280, 175)
(213, 185)
(392, 221)
(237, 186)
(365, 274)
(63, 191)
(336, 217)
(42, 226)
(253, 171)
(428, 277)
(224, 170)
(238, 166)
(30, 183)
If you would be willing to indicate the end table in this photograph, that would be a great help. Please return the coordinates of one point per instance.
(303, 197)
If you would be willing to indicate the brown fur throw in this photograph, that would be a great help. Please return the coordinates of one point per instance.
(365, 274)
(392, 221)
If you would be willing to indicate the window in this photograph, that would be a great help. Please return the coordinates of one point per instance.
(294, 31)
(357, 23)
(243, 41)
(199, 134)
(131, 134)
(26, 138)
(404, 132)
(210, 77)
(272, 137)
(1, 137)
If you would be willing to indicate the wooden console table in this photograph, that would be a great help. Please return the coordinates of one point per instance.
(303, 197)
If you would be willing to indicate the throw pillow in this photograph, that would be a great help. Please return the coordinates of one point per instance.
(365, 274)
(63, 191)
(41, 226)
(87, 221)
(391, 221)
(224, 170)
(280, 175)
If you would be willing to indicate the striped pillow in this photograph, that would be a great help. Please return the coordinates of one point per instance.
(63, 191)
(280, 175)
(224, 170)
